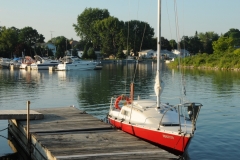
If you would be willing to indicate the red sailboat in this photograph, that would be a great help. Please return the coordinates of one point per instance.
(170, 126)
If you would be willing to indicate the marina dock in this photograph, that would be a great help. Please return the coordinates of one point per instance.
(69, 133)
(19, 114)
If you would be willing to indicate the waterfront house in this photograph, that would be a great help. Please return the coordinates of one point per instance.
(147, 53)
(182, 52)
(50, 46)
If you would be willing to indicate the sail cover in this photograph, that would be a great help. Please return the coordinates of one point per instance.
(157, 84)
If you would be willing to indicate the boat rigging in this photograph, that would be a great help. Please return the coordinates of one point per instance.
(164, 124)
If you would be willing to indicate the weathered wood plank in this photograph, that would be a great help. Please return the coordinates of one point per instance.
(71, 118)
(19, 114)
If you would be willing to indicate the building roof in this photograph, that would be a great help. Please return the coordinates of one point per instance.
(144, 51)
(73, 42)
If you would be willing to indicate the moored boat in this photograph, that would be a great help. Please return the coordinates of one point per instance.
(164, 124)
(15, 63)
(75, 63)
(4, 62)
(129, 59)
(26, 61)
(43, 63)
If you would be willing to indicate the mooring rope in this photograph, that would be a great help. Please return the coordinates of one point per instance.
(4, 129)
(2, 135)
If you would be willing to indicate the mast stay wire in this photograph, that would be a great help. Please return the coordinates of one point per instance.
(179, 48)
(145, 26)
(134, 72)
(135, 28)
(169, 20)
(183, 73)
(127, 48)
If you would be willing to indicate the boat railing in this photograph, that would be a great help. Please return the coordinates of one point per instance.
(165, 111)
(112, 103)
(127, 104)
(190, 112)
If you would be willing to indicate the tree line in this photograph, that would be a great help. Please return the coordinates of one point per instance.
(225, 53)
(99, 31)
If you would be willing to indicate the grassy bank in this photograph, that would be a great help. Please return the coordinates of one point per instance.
(229, 61)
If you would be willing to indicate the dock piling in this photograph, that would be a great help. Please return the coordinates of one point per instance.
(28, 129)
(28, 108)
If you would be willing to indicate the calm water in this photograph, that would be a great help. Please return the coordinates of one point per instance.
(218, 127)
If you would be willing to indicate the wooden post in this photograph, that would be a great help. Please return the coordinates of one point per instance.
(50, 69)
(28, 117)
(11, 66)
(28, 129)
(132, 91)
(28, 68)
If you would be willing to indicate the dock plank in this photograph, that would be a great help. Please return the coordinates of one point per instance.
(19, 114)
(68, 133)
(71, 118)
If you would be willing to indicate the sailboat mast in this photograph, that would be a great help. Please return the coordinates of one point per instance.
(158, 51)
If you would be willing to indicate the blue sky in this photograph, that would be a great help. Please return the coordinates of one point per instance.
(59, 15)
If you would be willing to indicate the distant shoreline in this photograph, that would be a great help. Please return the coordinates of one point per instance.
(209, 68)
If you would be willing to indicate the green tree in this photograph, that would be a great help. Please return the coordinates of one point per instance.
(153, 43)
(30, 36)
(21, 49)
(110, 30)
(137, 35)
(82, 44)
(165, 44)
(223, 45)
(206, 40)
(59, 52)
(8, 41)
(120, 53)
(91, 53)
(38, 49)
(237, 52)
(173, 44)
(62, 45)
(235, 34)
(85, 24)
(85, 53)
(192, 44)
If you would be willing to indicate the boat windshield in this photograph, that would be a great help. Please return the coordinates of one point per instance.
(76, 59)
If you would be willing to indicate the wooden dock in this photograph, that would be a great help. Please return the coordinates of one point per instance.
(68, 133)
(19, 114)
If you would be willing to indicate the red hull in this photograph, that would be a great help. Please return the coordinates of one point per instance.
(178, 143)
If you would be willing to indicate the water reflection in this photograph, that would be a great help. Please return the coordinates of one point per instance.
(95, 92)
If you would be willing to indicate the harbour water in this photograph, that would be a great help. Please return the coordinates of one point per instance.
(218, 130)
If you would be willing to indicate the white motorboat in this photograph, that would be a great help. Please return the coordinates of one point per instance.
(75, 63)
(4, 62)
(43, 63)
(169, 126)
(129, 59)
(15, 62)
(26, 61)
(169, 60)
